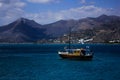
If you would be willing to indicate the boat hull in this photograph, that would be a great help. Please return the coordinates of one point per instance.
(78, 57)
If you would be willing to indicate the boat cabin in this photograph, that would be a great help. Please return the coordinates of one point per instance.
(76, 51)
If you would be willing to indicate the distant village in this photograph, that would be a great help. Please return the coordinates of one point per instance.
(66, 39)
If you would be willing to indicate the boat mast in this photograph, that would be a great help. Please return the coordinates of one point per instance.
(69, 37)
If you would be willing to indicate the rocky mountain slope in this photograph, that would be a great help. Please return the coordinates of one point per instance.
(102, 29)
(22, 30)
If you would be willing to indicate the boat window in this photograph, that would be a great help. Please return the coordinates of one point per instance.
(76, 51)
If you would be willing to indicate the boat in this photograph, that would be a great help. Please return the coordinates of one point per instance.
(81, 53)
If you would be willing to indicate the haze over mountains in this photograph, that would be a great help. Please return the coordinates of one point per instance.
(102, 29)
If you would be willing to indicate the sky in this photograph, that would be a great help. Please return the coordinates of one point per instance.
(49, 11)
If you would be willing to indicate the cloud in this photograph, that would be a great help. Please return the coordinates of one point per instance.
(42, 1)
(87, 2)
(83, 1)
(10, 10)
(73, 13)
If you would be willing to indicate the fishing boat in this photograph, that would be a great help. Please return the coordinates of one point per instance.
(81, 53)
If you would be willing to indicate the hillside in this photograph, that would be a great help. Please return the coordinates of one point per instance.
(101, 29)
(22, 30)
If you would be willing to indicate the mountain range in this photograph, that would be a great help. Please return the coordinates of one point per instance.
(102, 29)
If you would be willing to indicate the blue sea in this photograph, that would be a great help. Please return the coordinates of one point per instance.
(41, 62)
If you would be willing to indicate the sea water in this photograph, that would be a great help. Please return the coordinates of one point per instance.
(41, 62)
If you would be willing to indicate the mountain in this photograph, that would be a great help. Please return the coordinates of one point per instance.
(109, 30)
(104, 18)
(63, 26)
(59, 28)
(21, 30)
(102, 29)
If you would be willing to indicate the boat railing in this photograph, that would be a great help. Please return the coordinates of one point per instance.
(72, 50)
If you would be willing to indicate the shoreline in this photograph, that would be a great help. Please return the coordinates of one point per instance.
(61, 43)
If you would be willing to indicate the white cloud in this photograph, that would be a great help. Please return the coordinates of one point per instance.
(73, 13)
(10, 10)
(13, 9)
(0, 4)
(83, 1)
(42, 1)
(87, 2)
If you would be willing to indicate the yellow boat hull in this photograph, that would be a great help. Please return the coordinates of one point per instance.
(74, 56)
